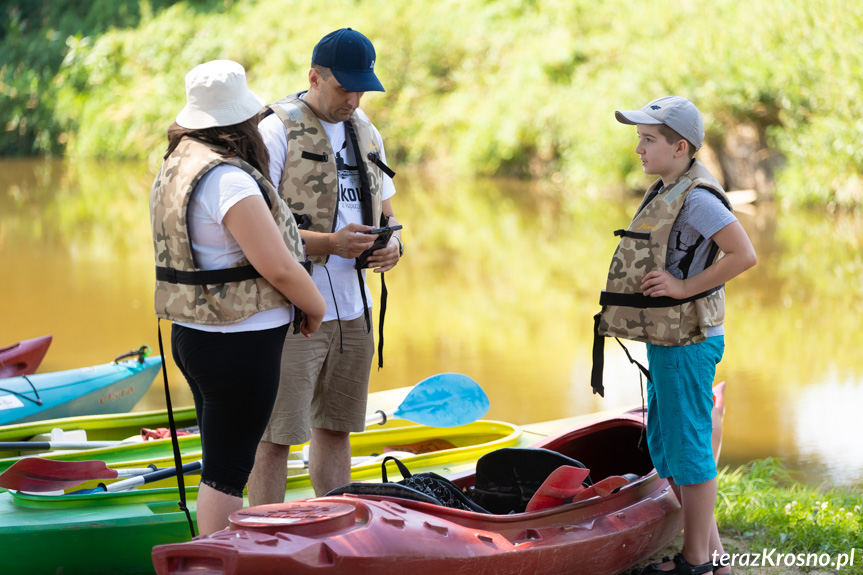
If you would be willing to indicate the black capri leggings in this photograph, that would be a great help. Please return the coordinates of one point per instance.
(234, 379)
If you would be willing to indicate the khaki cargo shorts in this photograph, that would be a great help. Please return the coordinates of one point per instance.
(319, 387)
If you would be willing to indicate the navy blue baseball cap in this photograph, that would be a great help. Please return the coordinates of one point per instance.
(351, 58)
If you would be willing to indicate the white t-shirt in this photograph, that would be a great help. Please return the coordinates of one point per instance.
(345, 292)
(213, 245)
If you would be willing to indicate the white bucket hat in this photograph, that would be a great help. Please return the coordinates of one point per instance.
(217, 95)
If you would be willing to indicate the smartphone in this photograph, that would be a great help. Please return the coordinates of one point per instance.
(389, 229)
(384, 235)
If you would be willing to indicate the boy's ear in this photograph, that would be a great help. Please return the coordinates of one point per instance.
(682, 148)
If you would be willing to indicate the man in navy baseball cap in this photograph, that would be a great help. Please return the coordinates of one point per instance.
(351, 58)
(329, 163)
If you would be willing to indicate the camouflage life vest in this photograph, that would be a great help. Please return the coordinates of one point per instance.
(183, 291)
(626, 312)
(309, 180)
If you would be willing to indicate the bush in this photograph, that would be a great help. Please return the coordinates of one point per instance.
(522, 88)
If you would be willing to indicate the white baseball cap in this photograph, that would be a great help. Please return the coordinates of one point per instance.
(217, 95)
(676, 112)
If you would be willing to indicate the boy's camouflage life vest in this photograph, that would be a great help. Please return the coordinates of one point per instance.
(183, 291)
(310, 182)
(626, 312)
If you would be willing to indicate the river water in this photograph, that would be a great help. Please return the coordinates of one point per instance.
(500, 281)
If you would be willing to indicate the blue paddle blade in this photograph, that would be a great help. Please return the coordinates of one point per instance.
(444, 400)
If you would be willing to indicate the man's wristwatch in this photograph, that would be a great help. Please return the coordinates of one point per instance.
(401, 247)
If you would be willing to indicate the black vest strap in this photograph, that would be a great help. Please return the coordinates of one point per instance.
(381, 316)
(599, 359)
(206, 277)
(314, 157)
(367, 211)
(175, 443)
(366, 189)
(642, 301)
(376, 160)
(634, 235)
(686, 261)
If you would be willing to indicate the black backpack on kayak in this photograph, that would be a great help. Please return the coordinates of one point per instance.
(426, 487)
(506, 479)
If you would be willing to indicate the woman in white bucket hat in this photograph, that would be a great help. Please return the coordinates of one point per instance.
(227, 274)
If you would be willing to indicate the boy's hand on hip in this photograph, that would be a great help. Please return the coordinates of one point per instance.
(662, 283)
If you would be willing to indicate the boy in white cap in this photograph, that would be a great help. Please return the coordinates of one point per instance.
(666, 288)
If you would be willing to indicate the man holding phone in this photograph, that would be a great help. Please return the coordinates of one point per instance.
(328, 162)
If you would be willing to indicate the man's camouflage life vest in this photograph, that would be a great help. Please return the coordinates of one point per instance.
(309, 180)
(626, 312)
(183, 291)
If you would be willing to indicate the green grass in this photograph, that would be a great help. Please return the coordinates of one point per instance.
(763, 506)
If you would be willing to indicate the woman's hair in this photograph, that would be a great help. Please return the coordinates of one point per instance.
(241, 140)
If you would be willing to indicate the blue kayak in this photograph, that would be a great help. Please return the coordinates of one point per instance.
(108, 388)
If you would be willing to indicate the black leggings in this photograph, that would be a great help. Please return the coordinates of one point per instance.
(234, 379)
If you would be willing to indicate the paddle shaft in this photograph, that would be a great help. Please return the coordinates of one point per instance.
(53, 445)
(127, 484)
(304, 463)
(380, 417)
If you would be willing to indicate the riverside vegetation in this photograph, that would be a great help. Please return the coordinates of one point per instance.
(520, 88)
(503, 88)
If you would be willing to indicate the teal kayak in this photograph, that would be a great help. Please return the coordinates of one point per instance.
(108, 388)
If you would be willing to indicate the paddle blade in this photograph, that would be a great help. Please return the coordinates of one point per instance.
(444, 400)
(35, 474)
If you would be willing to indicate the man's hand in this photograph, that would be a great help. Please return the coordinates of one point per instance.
(386, 258)
(351, 241)
(662, 283)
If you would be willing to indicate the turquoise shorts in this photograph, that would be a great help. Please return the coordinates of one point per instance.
(679, 406)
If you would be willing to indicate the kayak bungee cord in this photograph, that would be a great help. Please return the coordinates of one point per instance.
(141, 353)
(37, 401)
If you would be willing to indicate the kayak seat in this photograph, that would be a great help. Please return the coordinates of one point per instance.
(507, 478)
(564, 486)
(425, 487)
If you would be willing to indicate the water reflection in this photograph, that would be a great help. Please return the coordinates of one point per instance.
(500, 281)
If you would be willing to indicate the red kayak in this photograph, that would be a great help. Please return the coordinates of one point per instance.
(533, 510)
(24, 357)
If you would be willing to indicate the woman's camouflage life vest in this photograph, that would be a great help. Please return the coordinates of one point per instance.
(626, 312)
(310, 182)
(183, 291)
